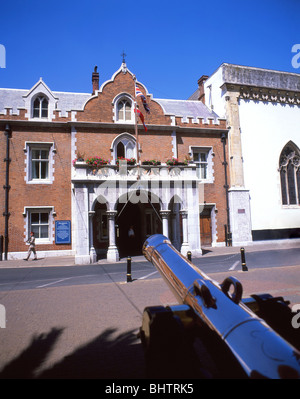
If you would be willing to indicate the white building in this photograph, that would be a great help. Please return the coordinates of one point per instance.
(262, 108)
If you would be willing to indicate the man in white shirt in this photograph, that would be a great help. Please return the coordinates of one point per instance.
(31, 246)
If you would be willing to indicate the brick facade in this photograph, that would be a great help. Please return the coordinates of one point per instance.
(90, 129)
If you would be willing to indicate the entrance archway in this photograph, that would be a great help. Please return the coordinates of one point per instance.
(100, 230)
(145, 221)
(129, 218)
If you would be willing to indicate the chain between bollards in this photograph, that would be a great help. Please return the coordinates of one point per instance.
(129, 278)
(243, 258)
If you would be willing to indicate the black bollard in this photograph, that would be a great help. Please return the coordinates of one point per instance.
(189, 256)
(129, 279)
(1, 247)
(243, 258)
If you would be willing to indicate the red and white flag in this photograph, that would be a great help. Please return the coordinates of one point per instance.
(141, 116)
(138, 93)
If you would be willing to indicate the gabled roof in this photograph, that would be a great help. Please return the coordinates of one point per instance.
(12, 98)
(186, 108)
(66, 101)
(71, 101)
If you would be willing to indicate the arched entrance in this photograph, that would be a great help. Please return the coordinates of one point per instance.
(100, 230)
(143, 217)
(129, 218)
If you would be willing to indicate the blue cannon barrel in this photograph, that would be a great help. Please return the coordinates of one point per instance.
(260, 351)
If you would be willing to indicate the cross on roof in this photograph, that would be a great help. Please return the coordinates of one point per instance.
(123, 55)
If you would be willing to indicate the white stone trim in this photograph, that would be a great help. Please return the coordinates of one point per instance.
(40, 254)
(174, 143)
(40, 88)
(210, 163)
(29, 145)
(52, 214)
(125, 138)
(115, 102)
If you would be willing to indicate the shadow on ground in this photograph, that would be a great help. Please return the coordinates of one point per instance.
(106, 356)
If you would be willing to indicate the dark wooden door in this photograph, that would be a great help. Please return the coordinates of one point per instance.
(205, 230)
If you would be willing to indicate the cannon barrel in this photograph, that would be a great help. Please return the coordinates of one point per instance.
(259, 350)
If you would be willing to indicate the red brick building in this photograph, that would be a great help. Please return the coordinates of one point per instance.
(76, 206)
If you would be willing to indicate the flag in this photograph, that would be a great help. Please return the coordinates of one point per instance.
(141, 118)
(146, 106)
(138, 93)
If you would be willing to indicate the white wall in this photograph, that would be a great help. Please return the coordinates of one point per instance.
(213, 93)
(265, 129)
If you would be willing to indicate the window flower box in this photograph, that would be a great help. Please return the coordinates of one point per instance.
(96, 162)
(174, 161)
(130, 161)
(151, 162)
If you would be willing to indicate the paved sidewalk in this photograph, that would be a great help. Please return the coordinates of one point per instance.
(47, 261)
(207, 252)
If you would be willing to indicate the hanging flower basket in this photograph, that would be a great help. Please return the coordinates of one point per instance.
(130, 161)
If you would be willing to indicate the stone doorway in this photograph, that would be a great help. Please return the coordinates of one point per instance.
(206, 226)
(143, 217)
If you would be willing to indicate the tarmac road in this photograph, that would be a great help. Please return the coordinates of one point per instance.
(15, 275)
(90, 330)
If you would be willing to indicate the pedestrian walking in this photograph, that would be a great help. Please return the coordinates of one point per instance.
(31, 242)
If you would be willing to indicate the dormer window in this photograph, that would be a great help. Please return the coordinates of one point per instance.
(124, 110)
(40, 107)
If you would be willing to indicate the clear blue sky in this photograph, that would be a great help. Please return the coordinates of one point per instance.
(169, 44)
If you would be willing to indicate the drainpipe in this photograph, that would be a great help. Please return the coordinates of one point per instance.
(7, 133)
(228, 229)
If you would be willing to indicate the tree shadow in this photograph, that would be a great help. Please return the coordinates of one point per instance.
(106, 356)
(32, 357)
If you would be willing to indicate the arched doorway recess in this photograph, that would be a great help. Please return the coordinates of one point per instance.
(140, 215)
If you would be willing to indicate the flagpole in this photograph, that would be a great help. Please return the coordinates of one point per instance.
(136, 125)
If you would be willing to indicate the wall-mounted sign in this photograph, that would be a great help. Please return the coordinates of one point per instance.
(62, 232)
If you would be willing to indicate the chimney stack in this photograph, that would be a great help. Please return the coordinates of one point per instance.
(95, 80)
(201, 82)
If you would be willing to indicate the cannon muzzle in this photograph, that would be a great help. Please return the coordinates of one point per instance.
(258, 349)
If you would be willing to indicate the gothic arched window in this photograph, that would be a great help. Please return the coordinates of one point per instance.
(124, 110)
(40, 107)
(289, 168)
(123, 146)
(120, 150)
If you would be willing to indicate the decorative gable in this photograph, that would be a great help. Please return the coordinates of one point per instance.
(40, 102)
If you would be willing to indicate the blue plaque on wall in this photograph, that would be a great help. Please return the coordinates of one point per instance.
(62, 232)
